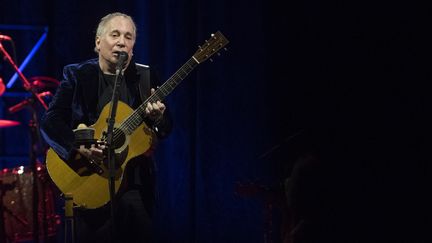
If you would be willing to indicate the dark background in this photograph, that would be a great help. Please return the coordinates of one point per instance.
(346, 81)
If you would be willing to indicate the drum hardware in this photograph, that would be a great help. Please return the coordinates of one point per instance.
(35, 86)
(17, 196)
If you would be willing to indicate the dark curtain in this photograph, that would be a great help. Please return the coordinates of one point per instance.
(346, 79)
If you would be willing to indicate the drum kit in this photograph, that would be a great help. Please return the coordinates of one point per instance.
(27, 201)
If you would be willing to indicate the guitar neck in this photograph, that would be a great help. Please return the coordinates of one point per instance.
(166, 88)
(212, 46)
(136, 118)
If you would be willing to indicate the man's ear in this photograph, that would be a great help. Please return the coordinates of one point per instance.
(97, 43)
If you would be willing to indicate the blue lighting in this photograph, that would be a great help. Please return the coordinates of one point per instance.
(28, 58)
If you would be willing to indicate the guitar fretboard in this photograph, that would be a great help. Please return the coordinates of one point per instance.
(136, 118)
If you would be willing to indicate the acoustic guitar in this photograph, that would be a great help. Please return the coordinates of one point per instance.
(131, 138)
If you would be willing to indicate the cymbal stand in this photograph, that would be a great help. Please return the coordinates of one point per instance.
(35, 137)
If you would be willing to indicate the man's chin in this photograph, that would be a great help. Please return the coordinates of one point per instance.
(112, 62)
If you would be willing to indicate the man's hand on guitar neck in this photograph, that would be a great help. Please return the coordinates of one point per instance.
(155, 110)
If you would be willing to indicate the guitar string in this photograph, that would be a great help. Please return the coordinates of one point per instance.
(126, 125)
(130, 123)
(135, 118)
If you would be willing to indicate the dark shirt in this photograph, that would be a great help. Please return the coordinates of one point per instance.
(106, 87)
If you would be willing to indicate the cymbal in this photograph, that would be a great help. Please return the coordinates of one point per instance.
(8, 123)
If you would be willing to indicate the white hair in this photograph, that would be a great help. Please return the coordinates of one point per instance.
(104, 20)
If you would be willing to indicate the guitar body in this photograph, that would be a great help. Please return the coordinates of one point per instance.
(92, 190)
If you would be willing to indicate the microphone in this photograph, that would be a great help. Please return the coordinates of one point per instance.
(122, 58)
(5, 37)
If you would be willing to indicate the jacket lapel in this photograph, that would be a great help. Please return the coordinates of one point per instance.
(88, 85)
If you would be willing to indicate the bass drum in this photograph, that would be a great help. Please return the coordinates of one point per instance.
(16, 186)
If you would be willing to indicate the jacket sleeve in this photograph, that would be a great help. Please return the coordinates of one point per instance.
(163, 127)
(56, 124)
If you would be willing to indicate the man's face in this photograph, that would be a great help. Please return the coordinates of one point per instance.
(118, 35)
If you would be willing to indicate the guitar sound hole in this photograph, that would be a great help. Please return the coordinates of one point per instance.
(119, 138)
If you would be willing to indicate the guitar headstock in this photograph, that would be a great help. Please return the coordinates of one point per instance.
(210, 47)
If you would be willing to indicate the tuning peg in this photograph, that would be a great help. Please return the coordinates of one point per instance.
(218, 54)
(211, 60)
(225, 49)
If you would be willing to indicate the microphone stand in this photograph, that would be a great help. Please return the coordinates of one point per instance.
(35, 136)
(109, 139)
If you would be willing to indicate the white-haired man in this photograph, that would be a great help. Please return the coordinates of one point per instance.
(85, 90)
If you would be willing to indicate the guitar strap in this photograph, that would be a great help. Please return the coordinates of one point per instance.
(144, 91)
(144, 84)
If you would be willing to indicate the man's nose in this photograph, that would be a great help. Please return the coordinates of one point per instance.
(121, 41)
